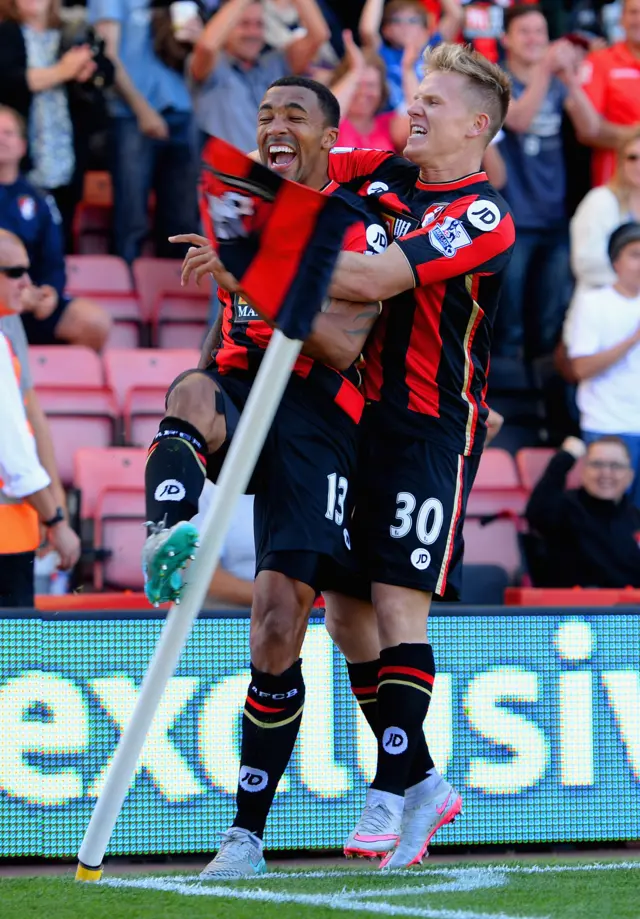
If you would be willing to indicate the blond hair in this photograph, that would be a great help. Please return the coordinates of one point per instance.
(617, 182)
(487, 81)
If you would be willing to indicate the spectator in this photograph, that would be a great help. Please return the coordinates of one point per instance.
(401, 28)
(152, 129)
(282, 26)
(235, 574)
(26, 493)
(611, 79)
(232, 69)
(603, 210)
(545, 83)
(360, 87)
(41, 83)
(51, 317)
(590, 534)
(603, 345)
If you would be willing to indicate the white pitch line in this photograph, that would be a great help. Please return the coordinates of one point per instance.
(464, 881)
(283, 874)
(332, 901)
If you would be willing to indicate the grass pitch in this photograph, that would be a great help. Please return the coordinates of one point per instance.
(518, 890)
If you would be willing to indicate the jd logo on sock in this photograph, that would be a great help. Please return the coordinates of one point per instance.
(394, 740)
(170, 490)
(253, 779)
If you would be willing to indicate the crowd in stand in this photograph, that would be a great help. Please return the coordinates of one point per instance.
(136, 86)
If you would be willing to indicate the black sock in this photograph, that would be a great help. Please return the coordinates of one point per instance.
(175, 473)
(270, 725)
(364, 686)
(421, 762)
(405, 681)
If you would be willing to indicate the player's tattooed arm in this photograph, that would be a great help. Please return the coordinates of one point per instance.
(211, 342)
(340, 332)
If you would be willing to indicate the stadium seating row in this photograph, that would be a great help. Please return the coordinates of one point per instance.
(147, 304)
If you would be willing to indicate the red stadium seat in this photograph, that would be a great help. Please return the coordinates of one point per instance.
(107, 280)
(178, 315)
(140, 379)
(497, 487)
(93, 217)
(532, 462)
(493, 544)
(80, 408)
(111, 484)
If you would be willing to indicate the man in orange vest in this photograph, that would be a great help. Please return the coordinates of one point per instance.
(26, 498)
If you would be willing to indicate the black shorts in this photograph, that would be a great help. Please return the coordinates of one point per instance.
(42, 331)
(411, 497)
(302, 479)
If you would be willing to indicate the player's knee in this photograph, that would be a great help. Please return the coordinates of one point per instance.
(401, 614)
(277, 628)
(192, 399)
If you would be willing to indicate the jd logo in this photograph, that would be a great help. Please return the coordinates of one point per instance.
(420, 559)
(483, 215)
(253, 779)
(170, 490)
(394, 740)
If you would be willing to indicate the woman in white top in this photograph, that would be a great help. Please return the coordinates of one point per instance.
(601, 211)
(603, 345)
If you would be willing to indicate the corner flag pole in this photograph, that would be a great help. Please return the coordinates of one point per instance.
(264, 398)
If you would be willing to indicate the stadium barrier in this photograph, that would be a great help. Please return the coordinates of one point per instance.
(534, 718)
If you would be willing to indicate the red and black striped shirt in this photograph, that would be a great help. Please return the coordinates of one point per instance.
(245, 336)
(428, 357)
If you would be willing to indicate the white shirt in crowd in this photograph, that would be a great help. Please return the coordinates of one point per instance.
(20, 469)
(609, 402)
(598, 215)
(238, 553)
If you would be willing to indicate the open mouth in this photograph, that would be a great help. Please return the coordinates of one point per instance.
(281, 156)
(417, 131)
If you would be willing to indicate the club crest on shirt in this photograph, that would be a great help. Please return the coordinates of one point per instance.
(27, 206)
(242, 311)
(432, 213)
(449, 236)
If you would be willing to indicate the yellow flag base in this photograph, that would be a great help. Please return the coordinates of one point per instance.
(88, 874)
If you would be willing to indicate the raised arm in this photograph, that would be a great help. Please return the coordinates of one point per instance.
(345, 88)
(301, 52)
(451, 19)
(578, 105)
(546, 508)
(369, 24)
(214, 37)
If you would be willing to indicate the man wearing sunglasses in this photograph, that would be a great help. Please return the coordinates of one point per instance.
(27, 498)
(590, 535)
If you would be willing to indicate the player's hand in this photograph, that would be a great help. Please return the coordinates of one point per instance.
(66, 543)
(201, 259)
